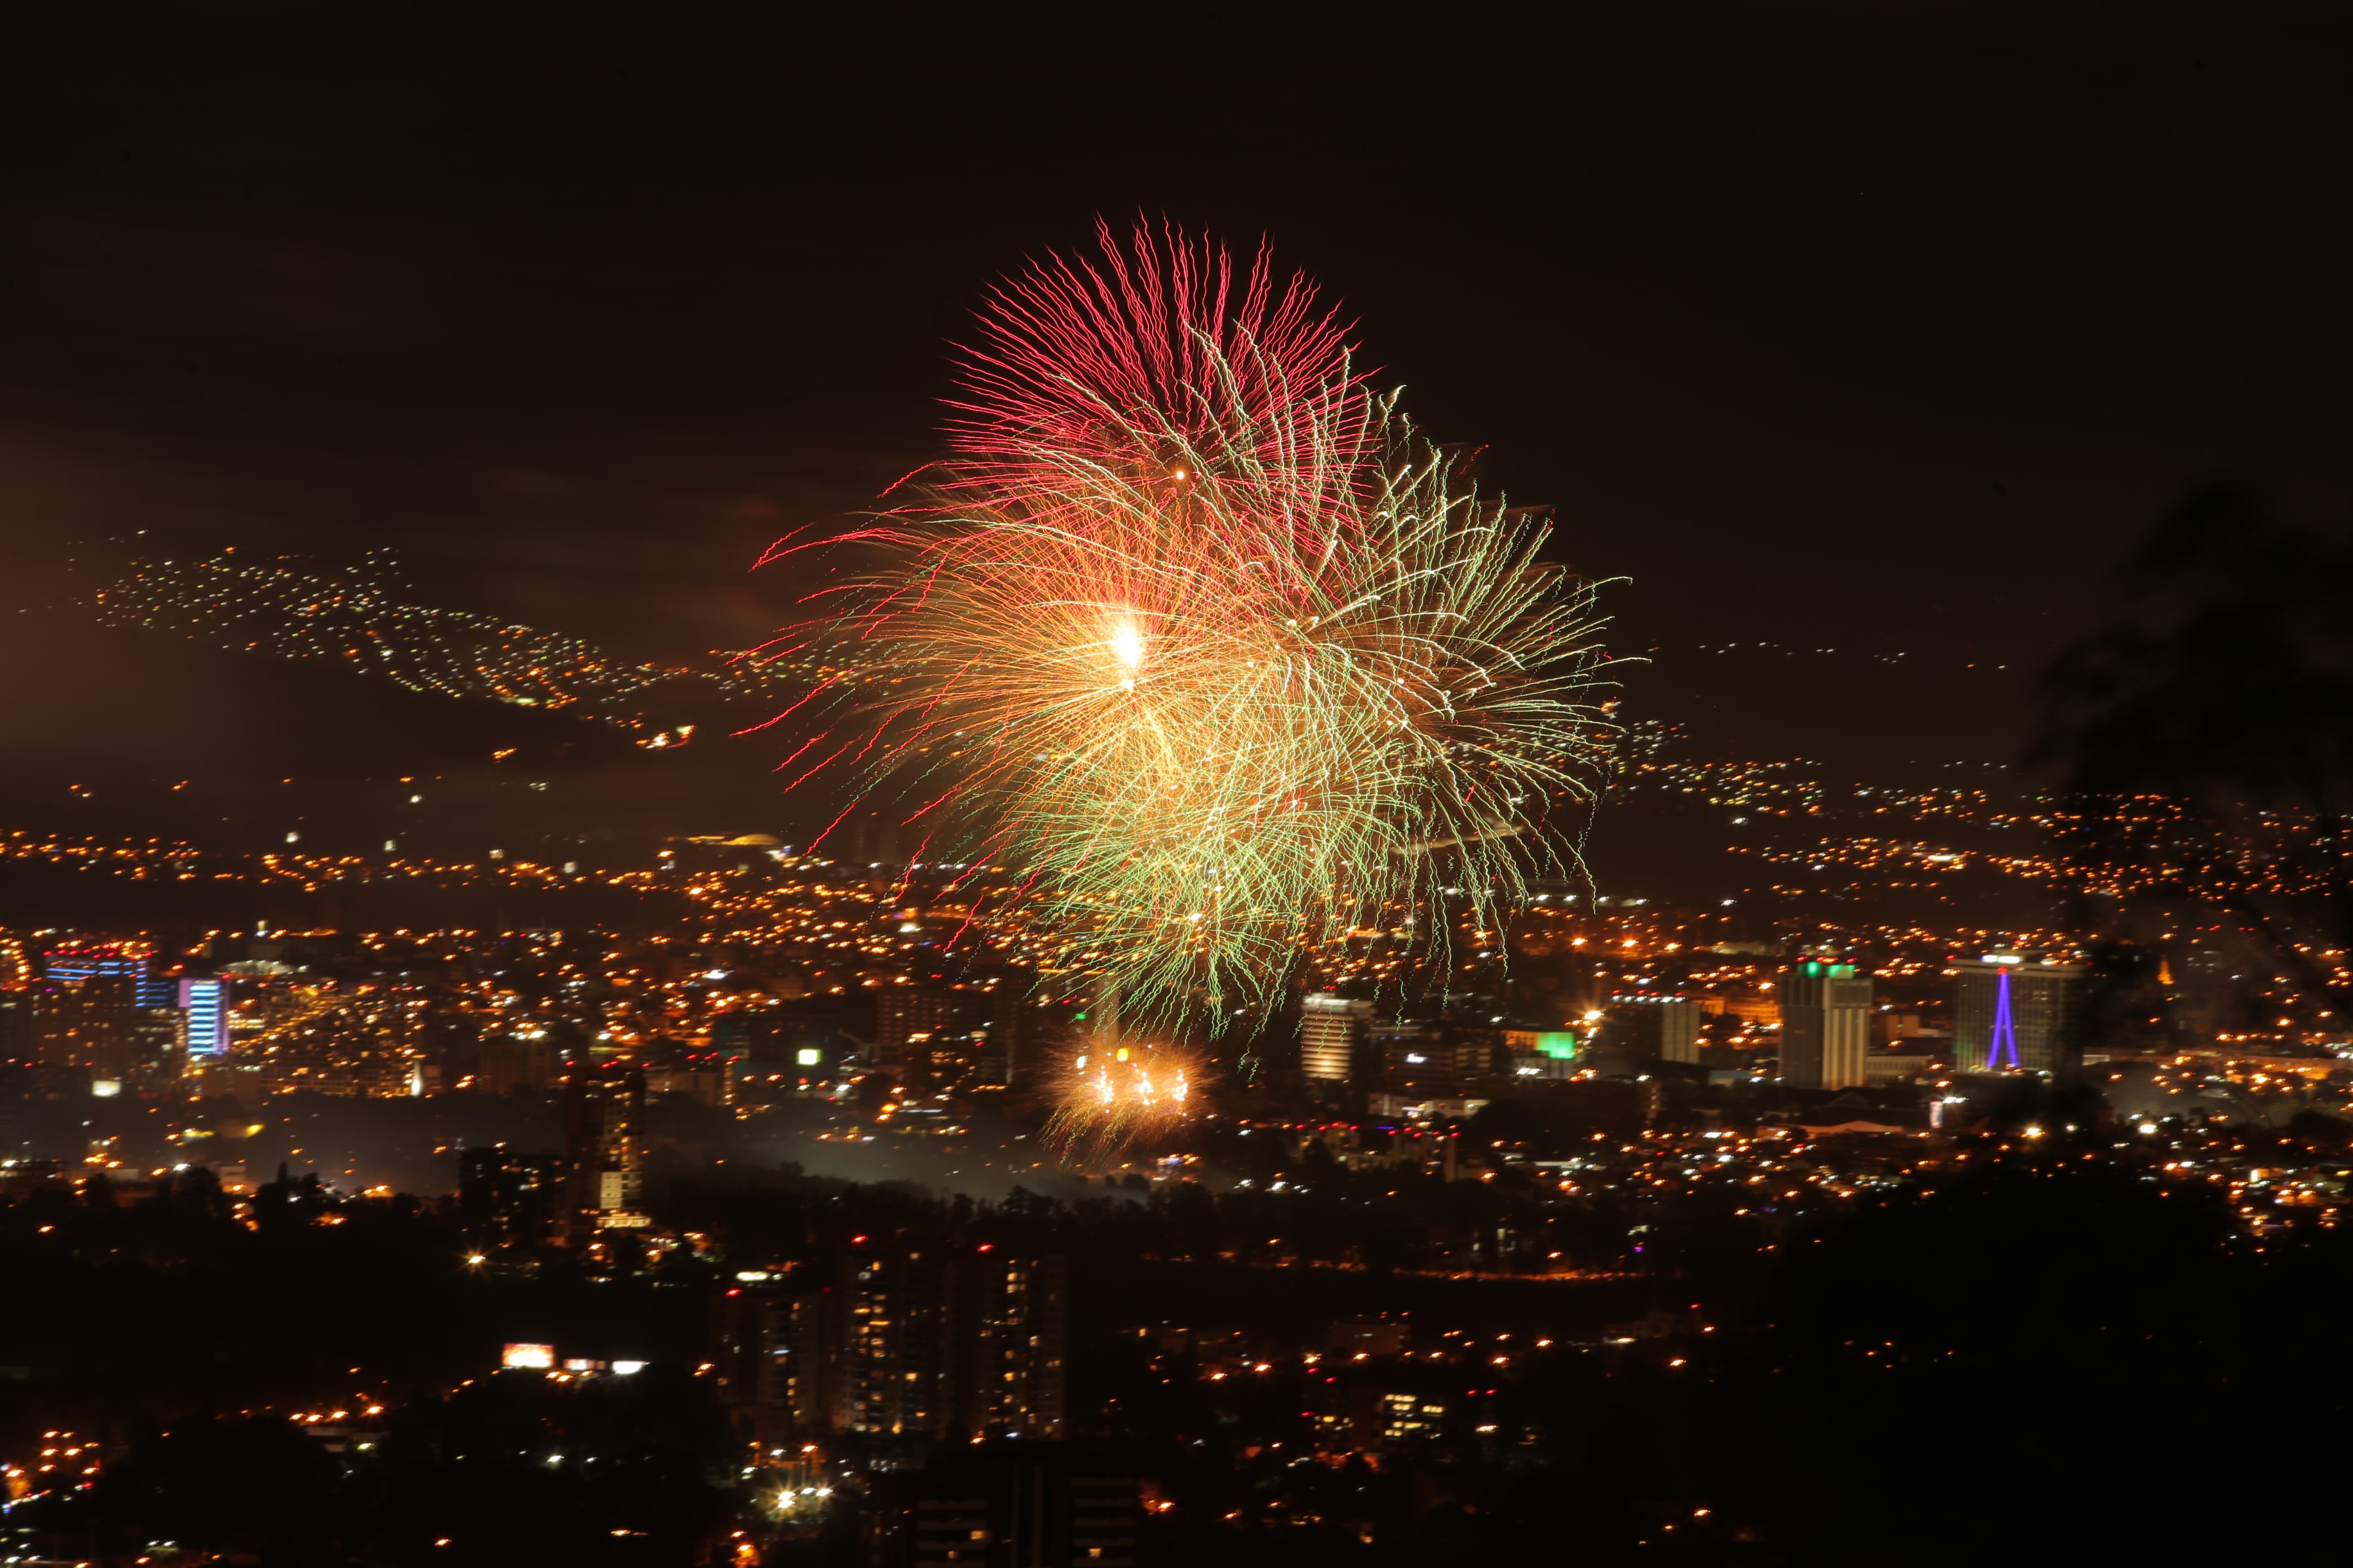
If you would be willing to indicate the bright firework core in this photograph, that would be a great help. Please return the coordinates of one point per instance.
(1128, 643)
(1119, 1074)
(1113, 1091)
(1364, 683)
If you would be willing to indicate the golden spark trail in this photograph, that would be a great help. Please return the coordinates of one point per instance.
(1212, 641)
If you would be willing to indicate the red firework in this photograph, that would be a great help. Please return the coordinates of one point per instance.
(1156, 359)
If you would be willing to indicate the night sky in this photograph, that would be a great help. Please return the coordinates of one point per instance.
(1875, 328)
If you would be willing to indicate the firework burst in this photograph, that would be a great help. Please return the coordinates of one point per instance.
(1208, 638)
(1119, 1090)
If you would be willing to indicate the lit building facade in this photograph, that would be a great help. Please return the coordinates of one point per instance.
(1331, 1031)
(205, 1005)
(603, 1151)
(2013, 1013)
(1825, 1025)
(899, 1341)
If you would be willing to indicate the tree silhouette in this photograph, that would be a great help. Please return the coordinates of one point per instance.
(2203, 736)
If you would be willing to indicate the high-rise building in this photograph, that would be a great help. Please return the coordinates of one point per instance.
(893, 1340)
(204, 1002)
(99, 1023)
(101, 1007)
(603, 1151)
(2012, 1015)
(1331, 1034)
(1825, 1024)
(1011, 1326)
(769, 1348)
(74, 962)
(1654, 1028)
(891, 1350)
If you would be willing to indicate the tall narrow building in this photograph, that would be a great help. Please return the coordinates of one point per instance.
(1010, 1329)
(893, 1342)
(1825, 1024)
(603, 1151)
(770, 1348)
(205, 1000)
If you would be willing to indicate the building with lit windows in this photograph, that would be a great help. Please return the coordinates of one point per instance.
(1330, 1032)
(1825, 1024)
(2012, 1013)
(78, 962)
(206, 1003)
(603, 1151)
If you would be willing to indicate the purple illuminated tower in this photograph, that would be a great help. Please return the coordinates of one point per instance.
(2010, 1016)
(2004, 1041)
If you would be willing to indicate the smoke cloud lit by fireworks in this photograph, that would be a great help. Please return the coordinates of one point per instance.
(1198, 630)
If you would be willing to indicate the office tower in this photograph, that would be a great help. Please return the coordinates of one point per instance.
(1654, 1028)
(98, 1023)
(1007, 1506)
(2012, 1015)
(1825, 1024)
(74, 962)
(603, 1151)
(99, 1007)
(507, 1198)
(205, 1004)
(1331, 1031)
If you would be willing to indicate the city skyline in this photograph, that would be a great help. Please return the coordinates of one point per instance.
(888, 790)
